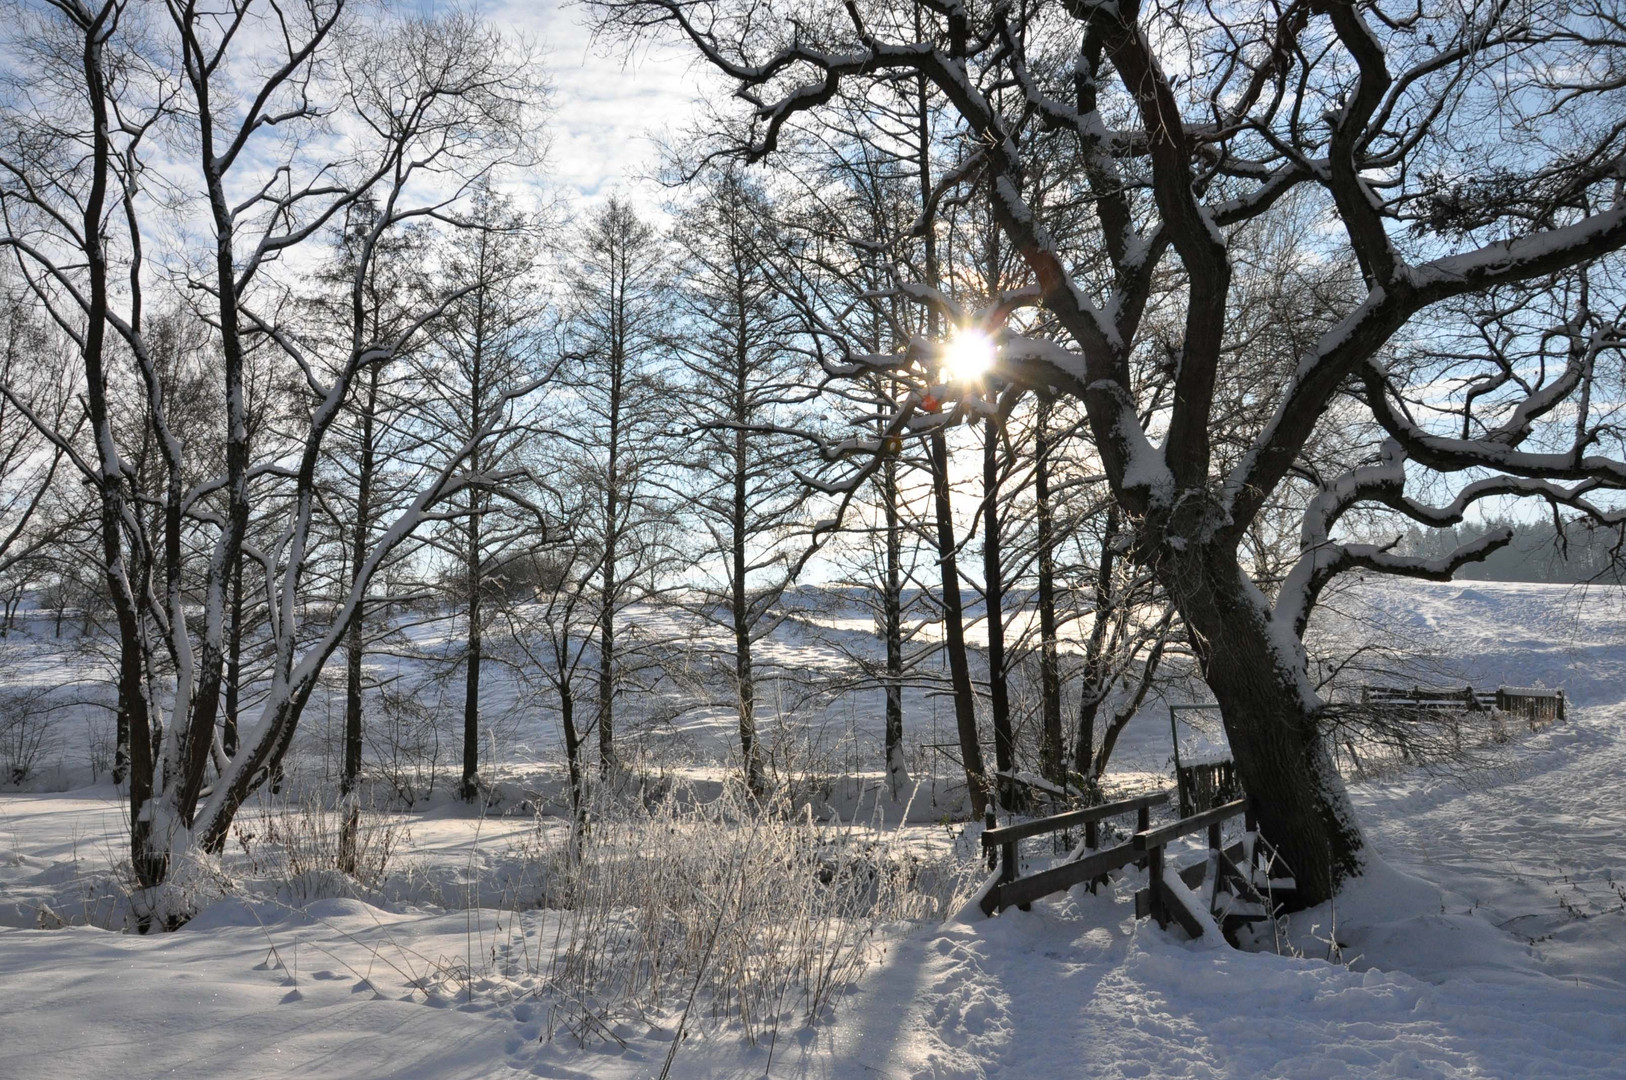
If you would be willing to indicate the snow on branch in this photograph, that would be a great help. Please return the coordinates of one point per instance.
(1445, 453)
(1519, 259)
(1383, 483)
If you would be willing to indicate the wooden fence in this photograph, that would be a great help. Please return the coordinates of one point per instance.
(1427, 698)
(1538, 707)
(1206, 785)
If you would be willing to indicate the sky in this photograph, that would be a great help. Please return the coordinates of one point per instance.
(613, 100)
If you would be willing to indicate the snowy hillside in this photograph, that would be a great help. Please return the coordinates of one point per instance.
(1489, 939)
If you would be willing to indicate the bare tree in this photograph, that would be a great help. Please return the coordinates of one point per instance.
(30, 355)
(486, 345)
(745, 380)
(549, 615)
(619, 319)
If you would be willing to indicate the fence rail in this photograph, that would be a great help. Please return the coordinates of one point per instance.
(1428, 698)
(1538, 706)
(1222, 890)
(1084, 863)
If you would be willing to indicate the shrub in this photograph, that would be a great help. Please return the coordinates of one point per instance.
(723, 912)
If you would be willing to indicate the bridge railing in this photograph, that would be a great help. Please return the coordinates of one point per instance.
(1084, 863)
(1227, 887)
(1232, 882)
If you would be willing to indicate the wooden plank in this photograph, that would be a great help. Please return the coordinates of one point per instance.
(989, 901)
(1007, 834)
(1154, 838)
(1193, 874)
(1059, 878)
(1232, 874)
(1175, 906)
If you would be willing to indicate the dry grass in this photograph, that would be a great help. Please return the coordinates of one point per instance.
(722, 913)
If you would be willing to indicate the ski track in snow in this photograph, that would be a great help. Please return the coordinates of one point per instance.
(1489, 941)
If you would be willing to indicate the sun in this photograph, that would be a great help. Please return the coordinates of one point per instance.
(968, 356)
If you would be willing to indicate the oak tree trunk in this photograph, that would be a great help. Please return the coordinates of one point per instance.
(1256, 671)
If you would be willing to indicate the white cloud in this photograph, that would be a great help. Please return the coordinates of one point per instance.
(613, 100)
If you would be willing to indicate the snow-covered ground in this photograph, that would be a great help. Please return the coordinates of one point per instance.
(1489, 939)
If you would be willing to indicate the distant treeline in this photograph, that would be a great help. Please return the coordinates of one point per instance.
(1583, 552)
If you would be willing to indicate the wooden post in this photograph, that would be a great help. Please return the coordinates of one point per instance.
(1456, 726)
(1007, 853)
(988, 823)
(1143, 821)
(1179, 780)
(1092, 841)
(1214, 836)
(1154, 882)
(1250, 823)
(1561, 706)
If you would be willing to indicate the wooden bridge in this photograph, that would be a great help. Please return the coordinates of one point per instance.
(1228, 888)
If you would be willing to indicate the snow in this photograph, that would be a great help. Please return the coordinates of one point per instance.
(1487, 938)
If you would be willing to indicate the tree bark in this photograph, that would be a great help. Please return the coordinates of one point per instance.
(1256, 672)
(234, 662)
(471, 675)
(740, 600)
(1050, 735)
(1092, 690)
(993, 594)
(149, 860)
(892, 615)
(573, 749)
(965, 702)
(612, 512)
(474, 573)
(356, 642)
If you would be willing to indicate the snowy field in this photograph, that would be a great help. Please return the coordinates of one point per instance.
(1489, 940)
